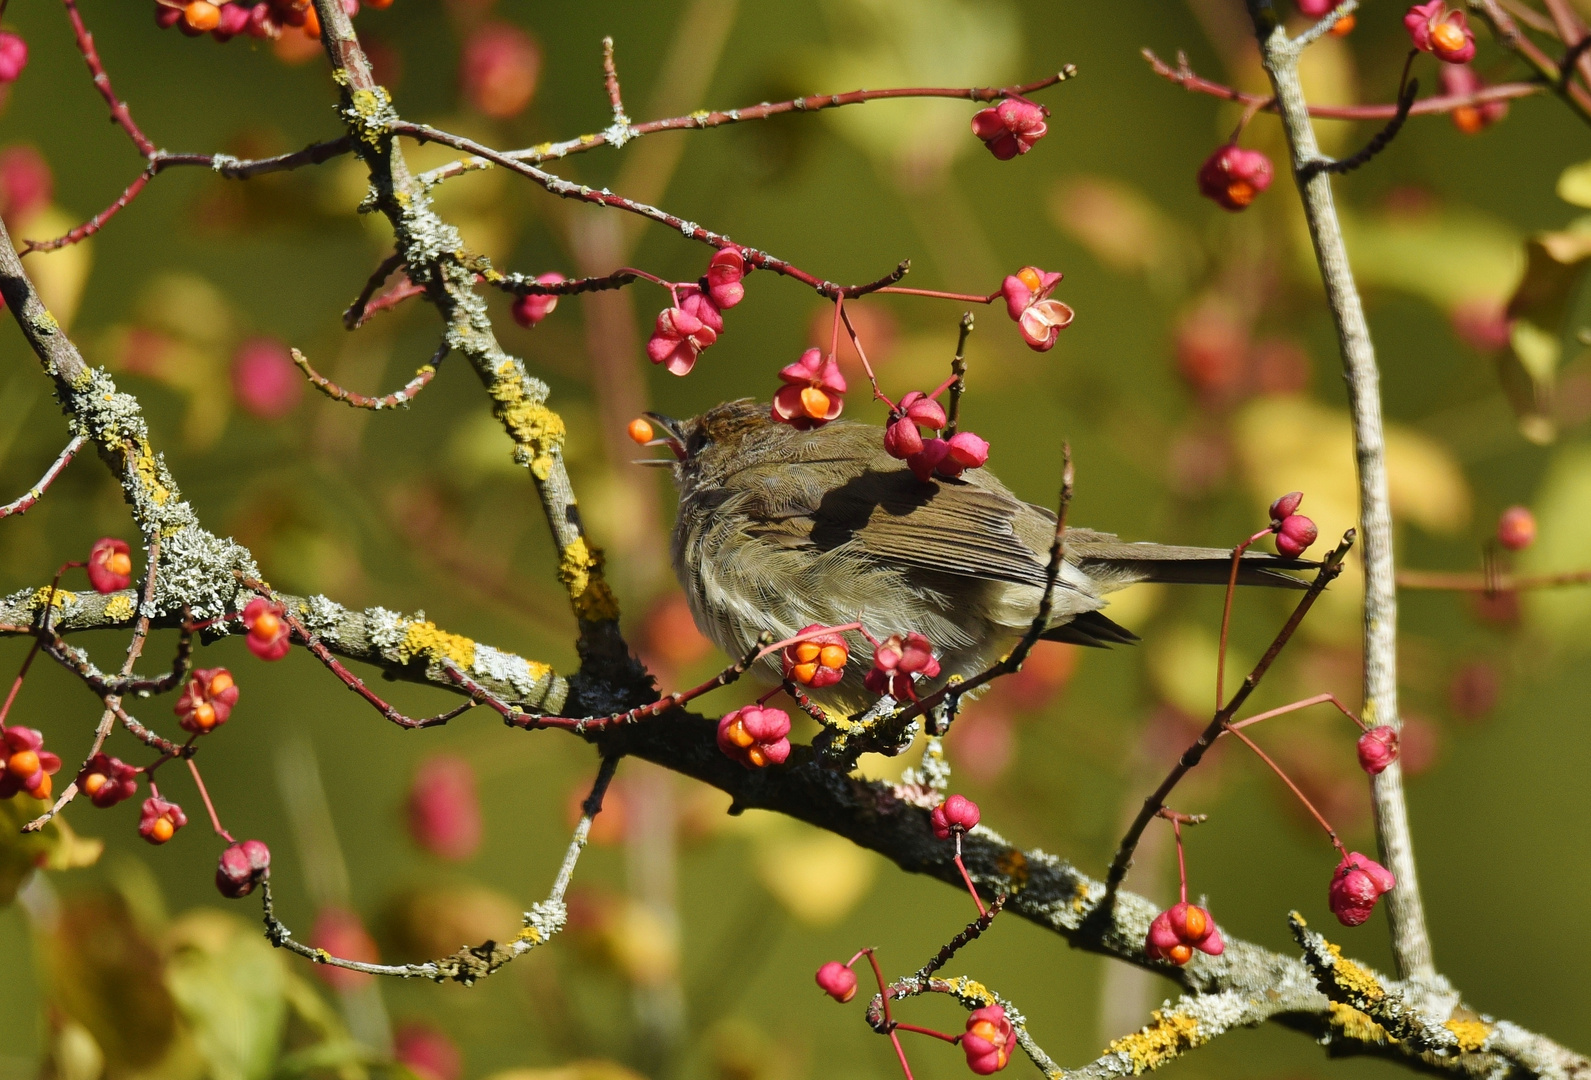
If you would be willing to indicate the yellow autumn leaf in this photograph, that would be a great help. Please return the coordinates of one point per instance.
(59, 275)
(815, 876)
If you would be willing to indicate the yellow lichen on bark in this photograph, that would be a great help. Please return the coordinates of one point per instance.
(537, 431)
(120, 607)
(425, 639)
(148, 474)
(1471, 1034)
(61, 599)
(1162, 1041)
(1356, 1025)
(580, 569)
(1355, 979)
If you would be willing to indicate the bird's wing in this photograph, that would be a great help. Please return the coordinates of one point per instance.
(962, 528)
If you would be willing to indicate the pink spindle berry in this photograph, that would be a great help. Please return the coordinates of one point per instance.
(107, 780)
(1027, 301)
(1181, 928)
(723, 278)
(1315, 9)
(24, 763)
(925, 462)
(896, 660)
(241, 867)
(922, 409)
(268, 635)
(159, 820)
(1286, 506)
(444, 808)
(1516, 529)
(207, 700)
(26, 183)
(234, 20)
(837, 981)
(1442, 33)
(818, 661)
(427, 1052)
(1232, 177)
(813, 391)
(1295, 534)
(530, 309)
(1461, 79)
(902, 439)
(265, 381)
(957, 814)
(1009, 128)
(678, 339)
(702, 306)
(755, 736)
(967, 451)
(987, 1041)
(1378, 748)
(110, 565)
(1356, 885)
(13, 57)
(498, 67)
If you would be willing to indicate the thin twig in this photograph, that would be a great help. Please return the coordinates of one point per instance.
(355, 315)
(958, 368)
(1183, 76)
(400, 397)
(24, 503)
(135, 648)
(701, 120)
(1330, 567)
(542, 922)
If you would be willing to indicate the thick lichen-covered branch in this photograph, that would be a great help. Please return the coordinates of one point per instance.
(414, 649)
(435, 258)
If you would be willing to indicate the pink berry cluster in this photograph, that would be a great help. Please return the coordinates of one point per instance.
(755, 736)
(1027, 301)
(1233, 177)
(933, 456)
(813, 391)
(1356, 885)
(818, 660)
(1294, 532)
(1440, 31)
(1010, 127)
(1181, 928)
(696, 319)
(897, 661)
(225, 19)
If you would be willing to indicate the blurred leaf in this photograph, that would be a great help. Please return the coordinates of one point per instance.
(816, 876)
(54, 847)
(1555, 270)
(1292, 444)
(1182, 661)
(914, 43)
(108, 977)
(227, 982)
(1126, 232)
(1448, 256)
(59, 275)
(1563, 542)
(1574, 184)
(74, 1055)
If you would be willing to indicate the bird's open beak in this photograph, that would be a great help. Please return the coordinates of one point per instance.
(671, 437)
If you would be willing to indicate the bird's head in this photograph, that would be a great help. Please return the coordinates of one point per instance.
(710, 444)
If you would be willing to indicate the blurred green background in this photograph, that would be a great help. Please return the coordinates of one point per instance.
(1199, 381)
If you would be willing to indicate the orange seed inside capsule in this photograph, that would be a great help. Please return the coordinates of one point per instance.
(834, 656)
(162, 831)
(1180, 954)
(815, 402)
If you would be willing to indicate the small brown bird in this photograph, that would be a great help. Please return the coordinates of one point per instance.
(779, 529)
